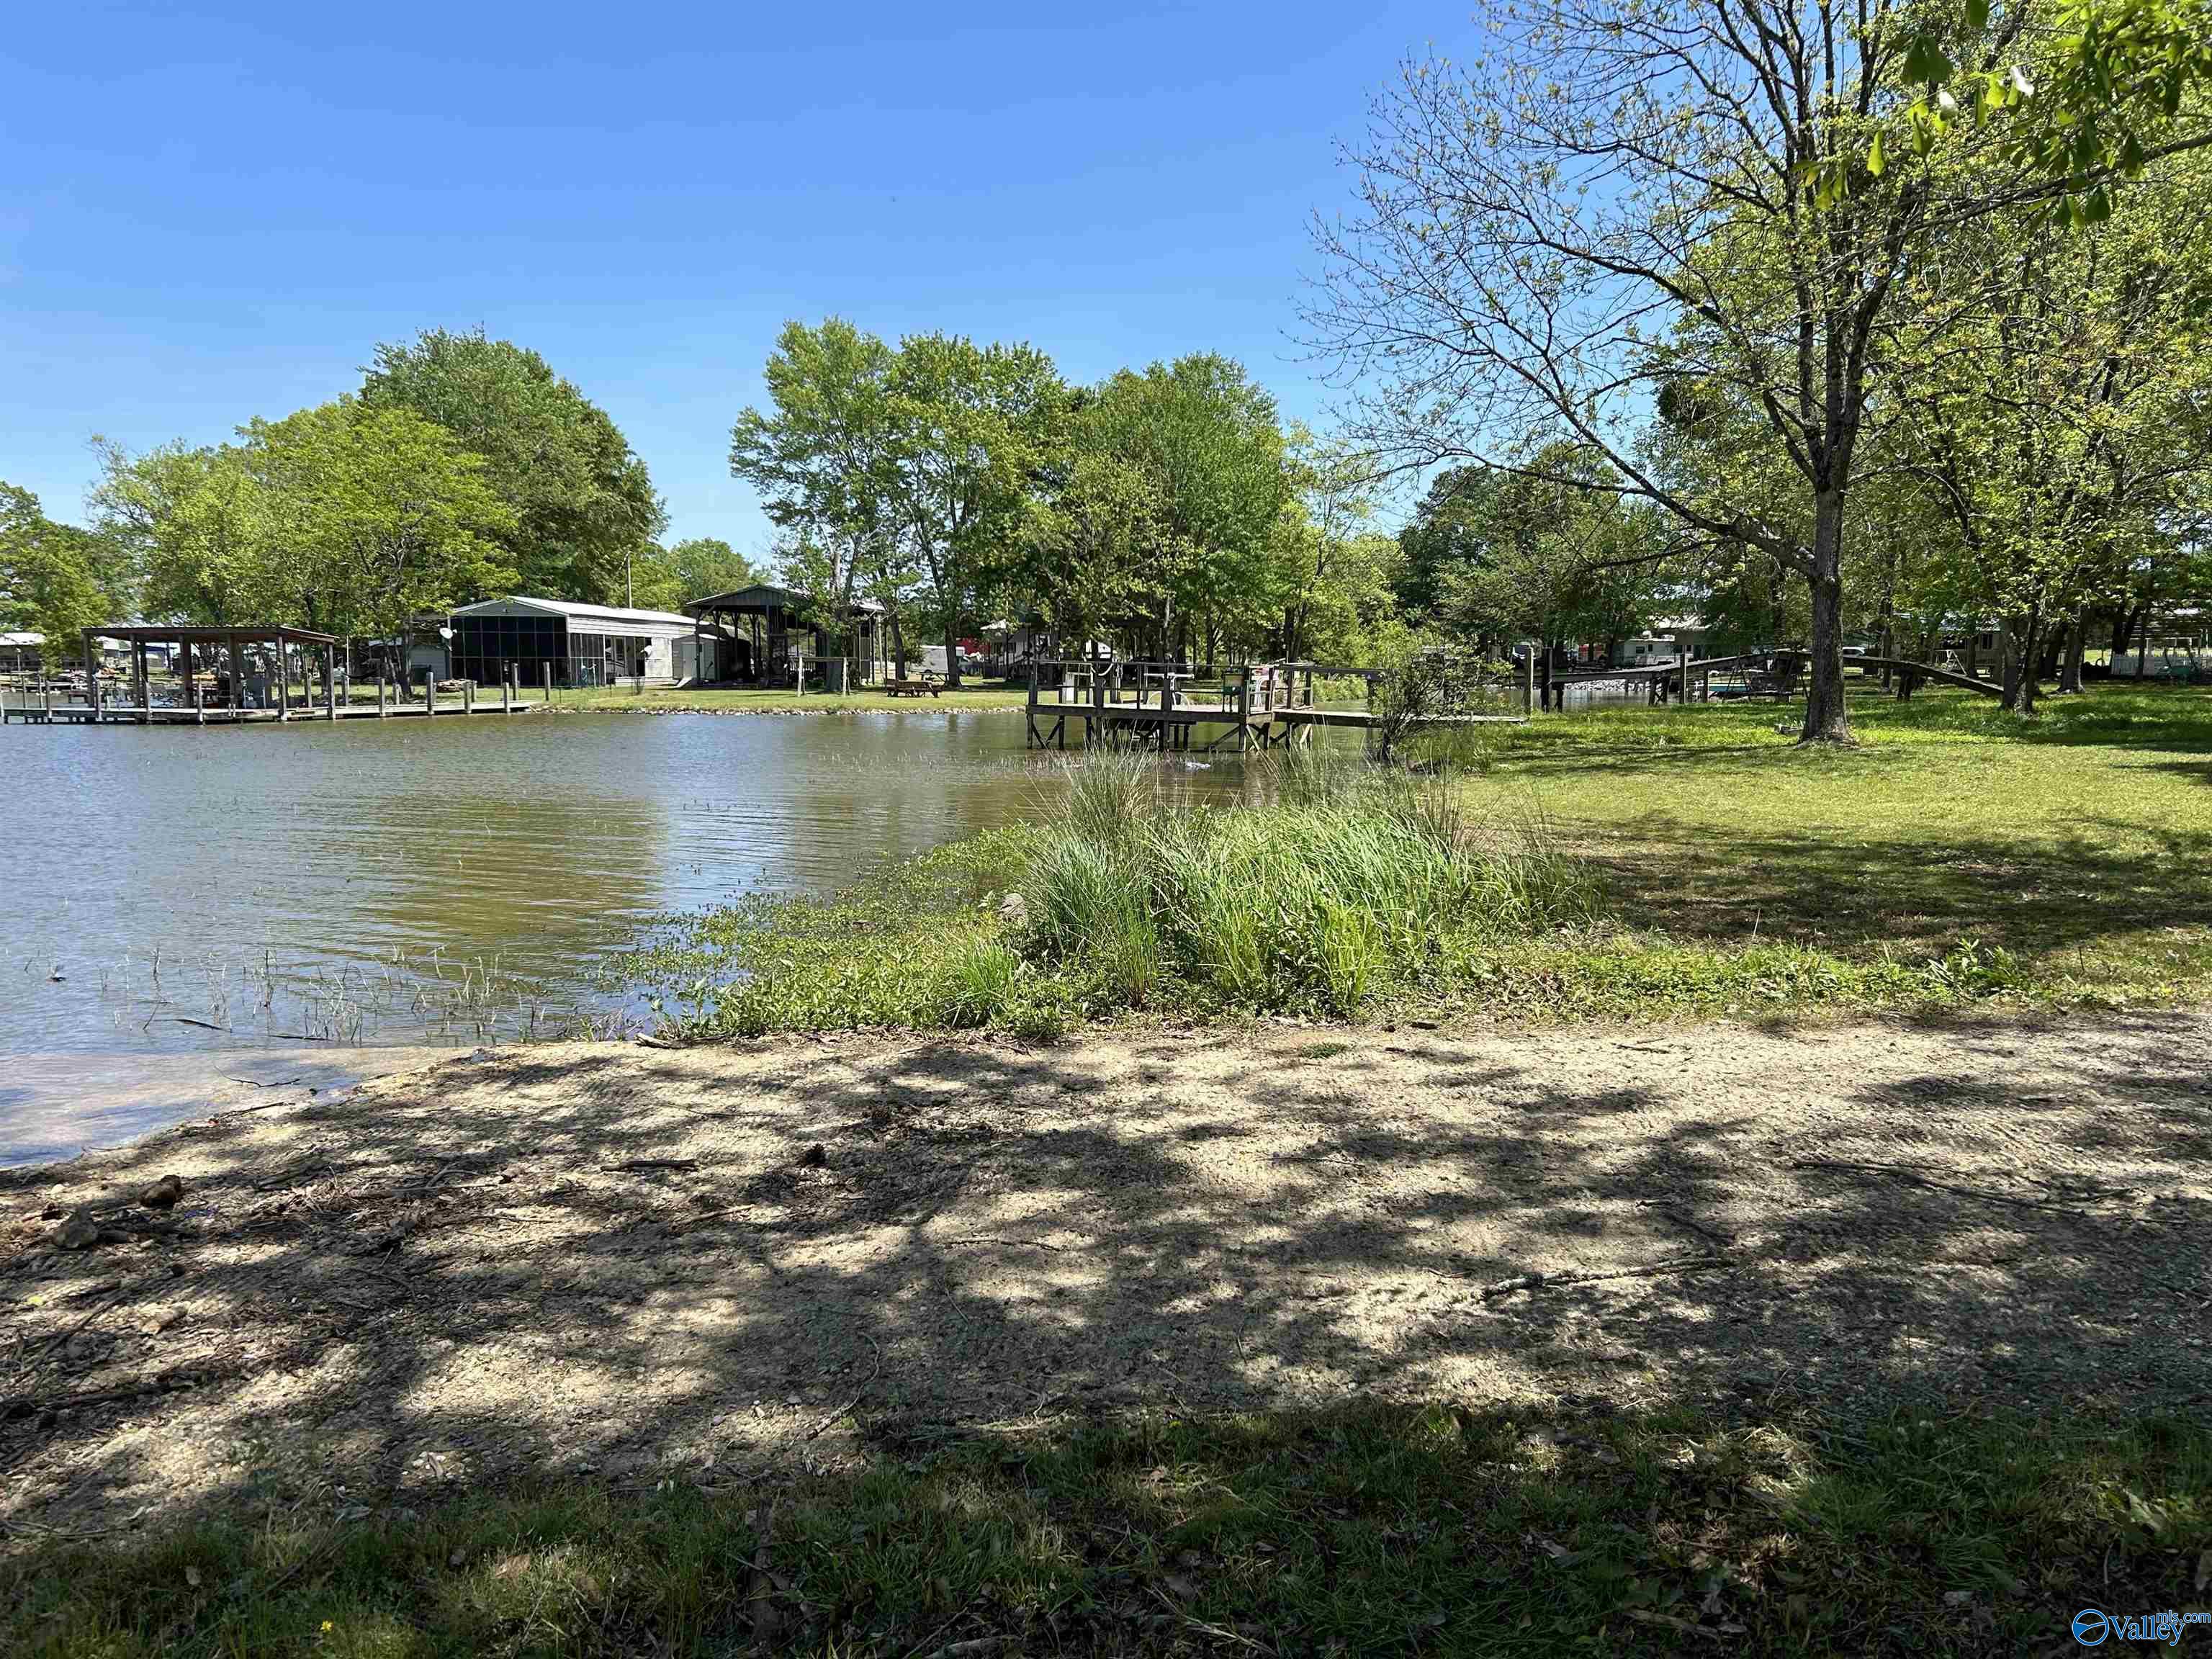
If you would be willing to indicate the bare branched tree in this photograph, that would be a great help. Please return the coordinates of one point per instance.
(1626, 197)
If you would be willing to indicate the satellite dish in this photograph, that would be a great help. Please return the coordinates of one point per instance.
(445, 633)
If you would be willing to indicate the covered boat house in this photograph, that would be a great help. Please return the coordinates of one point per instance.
(583, 645)
(769, 637)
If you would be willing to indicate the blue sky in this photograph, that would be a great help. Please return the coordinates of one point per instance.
(209, 213)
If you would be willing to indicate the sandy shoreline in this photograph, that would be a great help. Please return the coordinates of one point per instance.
(630, 1260)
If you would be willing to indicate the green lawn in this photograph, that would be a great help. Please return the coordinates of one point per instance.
(2079, 845)
(1371, 1529)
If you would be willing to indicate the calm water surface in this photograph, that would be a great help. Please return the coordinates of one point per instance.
(176, 894)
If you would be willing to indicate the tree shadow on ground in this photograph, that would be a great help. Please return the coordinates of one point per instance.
(630, 1263)
(2101, 881)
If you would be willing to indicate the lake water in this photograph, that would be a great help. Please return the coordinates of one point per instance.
(175, 896)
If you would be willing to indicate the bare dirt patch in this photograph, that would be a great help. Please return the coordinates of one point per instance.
(635, 1261)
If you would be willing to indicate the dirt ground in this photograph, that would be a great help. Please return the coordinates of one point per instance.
(635, 1261)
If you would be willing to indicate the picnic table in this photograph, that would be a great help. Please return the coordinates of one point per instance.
(904, 687)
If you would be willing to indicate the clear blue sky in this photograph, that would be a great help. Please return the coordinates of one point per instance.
(211, 212)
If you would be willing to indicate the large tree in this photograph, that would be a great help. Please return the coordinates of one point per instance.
(582, 502)
(820, 457)
(2052, 422)
(197, 525)
(376, 516)
(1713, 202)
(970, 427)
(1206, 439)
(56, 580)
(668, 579)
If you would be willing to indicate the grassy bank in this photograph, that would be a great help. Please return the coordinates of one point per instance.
(670, 700)
(1625, 863)
(1371, 1529)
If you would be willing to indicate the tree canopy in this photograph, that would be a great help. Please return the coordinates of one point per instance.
(581, 502)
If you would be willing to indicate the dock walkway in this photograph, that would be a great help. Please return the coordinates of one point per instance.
(1257, 705)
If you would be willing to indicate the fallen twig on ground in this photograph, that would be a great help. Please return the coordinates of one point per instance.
(1545, 1281)
(1024, 1243)
(760, 1595)
(1913, 1177)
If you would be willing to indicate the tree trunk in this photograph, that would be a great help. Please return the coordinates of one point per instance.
(1827, 716)
(2069, 661)
(2142, 652)
(2124, 628)
(2021, 673)
(952, 647)
(898, 643)
(1973, 664)
(2008, 664)
(2050, 654)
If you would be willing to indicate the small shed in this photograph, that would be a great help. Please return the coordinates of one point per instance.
(759, 635)
(583, 645)
(20, 653)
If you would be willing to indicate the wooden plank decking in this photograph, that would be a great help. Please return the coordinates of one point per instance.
(109, 714)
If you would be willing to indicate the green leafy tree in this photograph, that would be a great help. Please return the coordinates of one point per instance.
(668, 579)
(1711, 204)
(1207, 441)
(376, 515)
(2081, 93)
(969, 427)
(1554, 556)
(1340, 571)
(1091, 546)
(581, 502)
(821, 457)
(2053, 417)
(56, 580)
(1446, 529)
(196, 525)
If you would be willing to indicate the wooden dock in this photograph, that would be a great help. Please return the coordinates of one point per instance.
(48, 713)
(1163, 706)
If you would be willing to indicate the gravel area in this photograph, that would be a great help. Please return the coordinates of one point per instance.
(636, 1260)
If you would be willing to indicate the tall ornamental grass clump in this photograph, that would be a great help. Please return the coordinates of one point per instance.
(1345, 883)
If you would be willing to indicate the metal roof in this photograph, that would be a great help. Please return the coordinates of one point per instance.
(762, 595)
(575, 612)
(163, 633)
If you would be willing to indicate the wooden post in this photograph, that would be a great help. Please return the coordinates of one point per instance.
(1095, 727)
(330, 684)
(1035, 669)
(379, 698)
(1244, 707)
(1528, 679)
(548, 683)
(430, 692)
(284, 681)
(345, 678)
(506, 695)
(468, 697)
